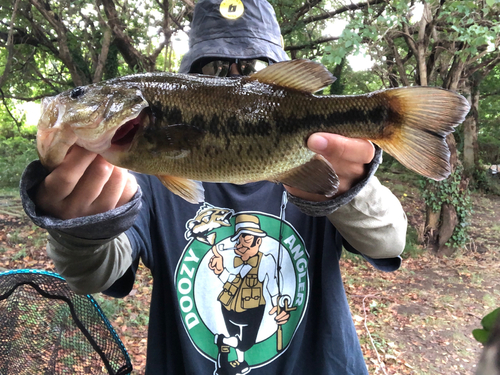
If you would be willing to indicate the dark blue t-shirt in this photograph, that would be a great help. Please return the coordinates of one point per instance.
(194, 329)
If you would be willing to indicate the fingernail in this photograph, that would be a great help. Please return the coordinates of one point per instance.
(317, 143)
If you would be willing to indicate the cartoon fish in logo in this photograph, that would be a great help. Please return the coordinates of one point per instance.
(207, 219)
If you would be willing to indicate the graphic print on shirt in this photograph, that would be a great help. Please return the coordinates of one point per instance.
(241, 293)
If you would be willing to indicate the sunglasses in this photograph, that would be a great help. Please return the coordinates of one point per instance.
(220, 68)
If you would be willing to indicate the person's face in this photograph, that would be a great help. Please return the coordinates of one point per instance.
(227, 67)
(247, 246)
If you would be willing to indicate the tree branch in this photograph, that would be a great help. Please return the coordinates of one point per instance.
(189, 4)
(10, 46)
(399, 62)
(132, 56)
(486, 66)
(311, 44)
(288, 27)
(60, 29)
(18, 124)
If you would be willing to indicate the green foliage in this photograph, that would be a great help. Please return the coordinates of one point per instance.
(437, 193)
(489, 118)
(488, 322)
(484, 181)
(412, 247)
(15, 154)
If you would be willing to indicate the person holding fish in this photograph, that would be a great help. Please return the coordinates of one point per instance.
(230, 141)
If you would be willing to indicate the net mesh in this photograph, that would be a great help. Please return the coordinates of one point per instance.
(45, 328)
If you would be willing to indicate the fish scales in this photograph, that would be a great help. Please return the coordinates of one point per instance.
(239, 133)
(188, 128)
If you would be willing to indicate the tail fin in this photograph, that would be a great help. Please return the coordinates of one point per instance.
(423, 117)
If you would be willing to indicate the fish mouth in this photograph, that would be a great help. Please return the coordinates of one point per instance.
(126, 133)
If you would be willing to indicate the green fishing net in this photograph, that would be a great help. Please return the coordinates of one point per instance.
(45, 328)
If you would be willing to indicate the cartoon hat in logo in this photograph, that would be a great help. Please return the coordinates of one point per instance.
(247, 224)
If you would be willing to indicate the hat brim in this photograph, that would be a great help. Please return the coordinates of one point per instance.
(235, 48)
(251, 231)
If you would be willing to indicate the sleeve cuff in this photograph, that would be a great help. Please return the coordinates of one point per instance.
(381, 264)
(327, 207)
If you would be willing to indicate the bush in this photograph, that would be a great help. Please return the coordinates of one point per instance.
(15, 154)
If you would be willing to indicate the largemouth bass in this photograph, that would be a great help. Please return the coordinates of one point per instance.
(191, 128)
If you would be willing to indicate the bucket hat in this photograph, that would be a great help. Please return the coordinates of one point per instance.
(253, 34)
(247, 224)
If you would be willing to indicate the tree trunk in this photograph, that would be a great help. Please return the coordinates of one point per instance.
(64, 52)
(103, 56)
(440, 224)
(471, 148)
(134, 58)
(422, 43)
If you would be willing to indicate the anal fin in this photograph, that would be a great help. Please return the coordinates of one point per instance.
(190, 190)
(316, 176)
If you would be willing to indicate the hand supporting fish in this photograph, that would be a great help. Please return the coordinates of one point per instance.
(187, 129)
(84, 184)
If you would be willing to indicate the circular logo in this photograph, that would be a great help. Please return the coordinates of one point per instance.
(280, 272)
(231, 9)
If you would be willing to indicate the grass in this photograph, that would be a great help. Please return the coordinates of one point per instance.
(490, 301)
(9, 191)
(412, 248)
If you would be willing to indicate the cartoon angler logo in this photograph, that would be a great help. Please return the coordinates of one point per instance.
(242, 286)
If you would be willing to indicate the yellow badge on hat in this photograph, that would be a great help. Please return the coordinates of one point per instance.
(231, 9)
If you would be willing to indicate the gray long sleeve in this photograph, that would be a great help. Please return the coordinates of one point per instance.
(89, 266)
(374, 222)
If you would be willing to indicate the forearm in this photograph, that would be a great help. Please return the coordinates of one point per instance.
(373, 222)
(89, 266)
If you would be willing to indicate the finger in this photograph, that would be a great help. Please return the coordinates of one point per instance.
(334, 146)
(273, 310)
(91, 183)
(63, 179)
(129, 191)
(282, 316)
(112, 191)
(219, 265)
(211, 263)
(216, 253)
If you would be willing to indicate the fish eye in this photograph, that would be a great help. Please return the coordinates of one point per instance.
(76, 92)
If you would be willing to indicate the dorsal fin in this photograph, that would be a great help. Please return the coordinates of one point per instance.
(301, 75)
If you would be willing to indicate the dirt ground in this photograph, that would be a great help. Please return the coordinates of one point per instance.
(417, 320)
(420, 318)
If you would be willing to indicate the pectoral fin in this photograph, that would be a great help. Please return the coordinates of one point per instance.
(190, 190)
(316, 176)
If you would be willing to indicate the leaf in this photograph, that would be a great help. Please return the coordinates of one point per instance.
(481, 335)
(489, 320)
